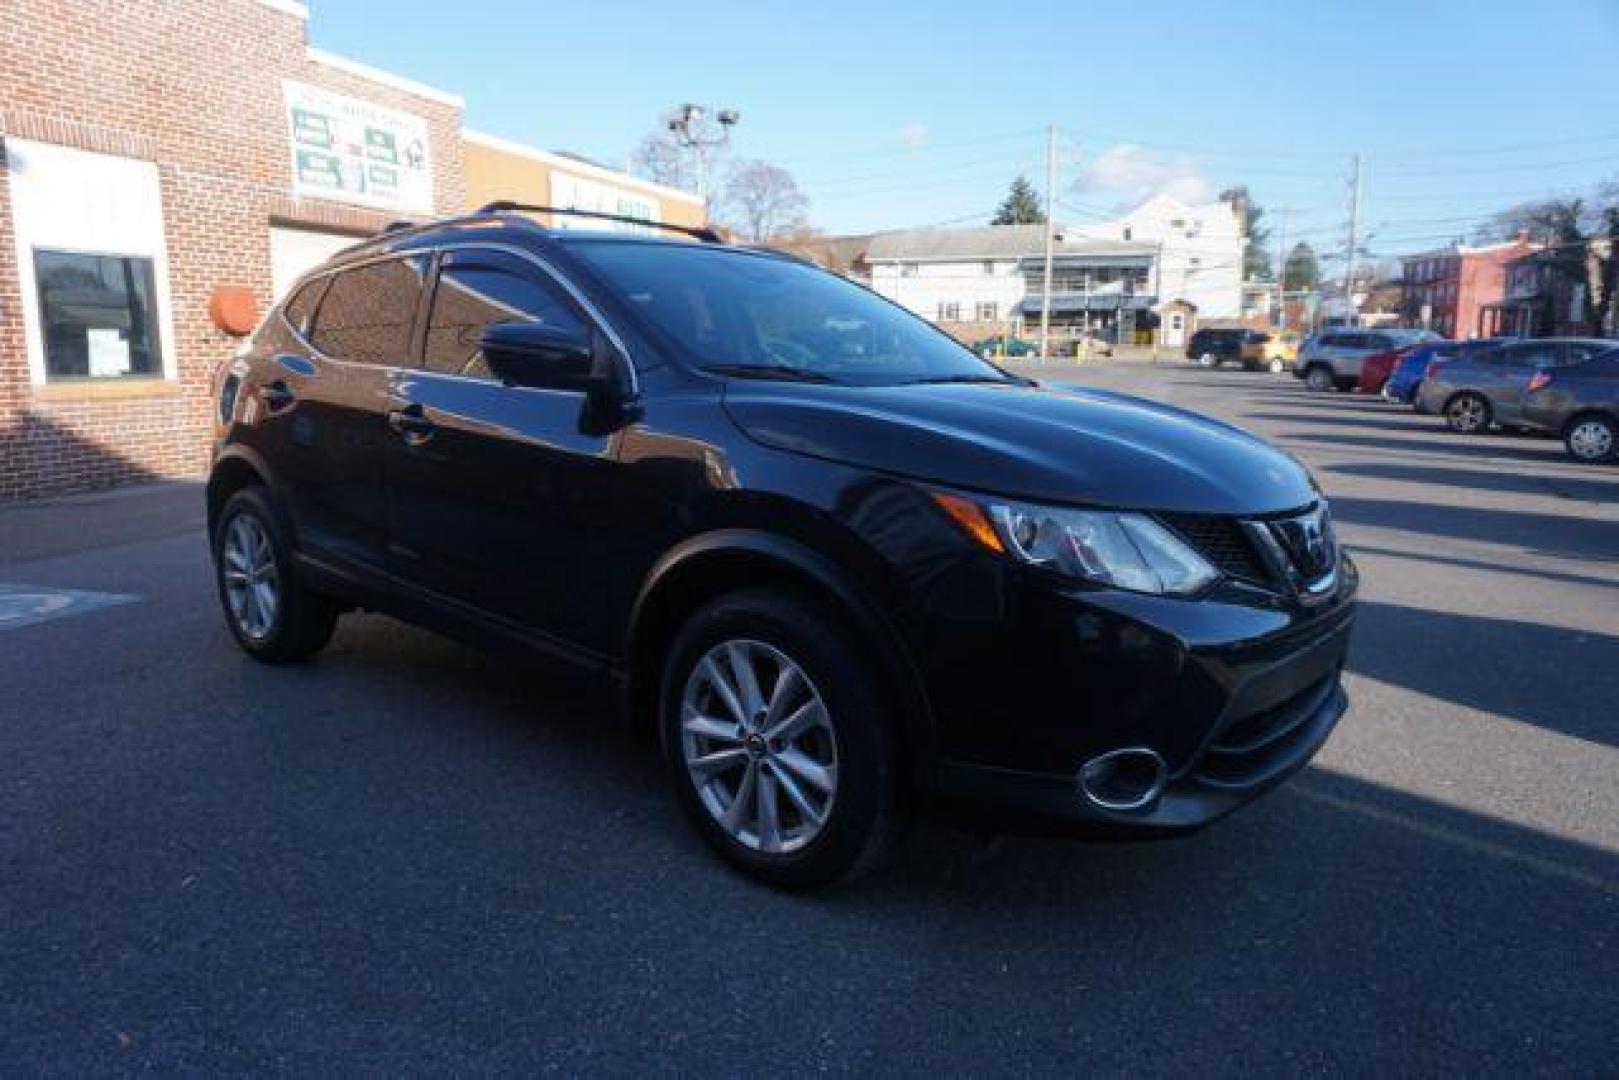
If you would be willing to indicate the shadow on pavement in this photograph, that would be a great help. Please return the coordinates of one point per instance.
(1596, 488)
(1568, 535)
(1547, 451)
(1485, 566)
(1557, 678)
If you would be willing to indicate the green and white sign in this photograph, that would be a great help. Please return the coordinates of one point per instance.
(356, 152)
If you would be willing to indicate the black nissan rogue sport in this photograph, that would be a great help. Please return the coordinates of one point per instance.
(847, 568)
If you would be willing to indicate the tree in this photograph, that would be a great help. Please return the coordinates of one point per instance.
(1021, 206)
(1303, 270)
(662, 160)
(762, 202)
(1256, 254)
(1547, 221)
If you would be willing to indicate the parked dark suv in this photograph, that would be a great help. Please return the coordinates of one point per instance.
(847, 568)
(1214, 346)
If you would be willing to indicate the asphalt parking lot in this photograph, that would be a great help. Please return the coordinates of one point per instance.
(408, 857)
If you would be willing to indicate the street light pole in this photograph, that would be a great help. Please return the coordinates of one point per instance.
(1051, 194)
(686, 123)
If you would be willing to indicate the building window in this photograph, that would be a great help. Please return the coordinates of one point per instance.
(949, 311)
(988, 311)
(98, 315)
(1178, 223)
(1127, 232)
(91, 264)
(989, 267)
(907, 269)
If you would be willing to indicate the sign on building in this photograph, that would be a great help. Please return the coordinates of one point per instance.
(356, 152)
(577, 193)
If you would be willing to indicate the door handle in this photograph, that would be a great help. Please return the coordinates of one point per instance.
(277, 395)
(410, 424)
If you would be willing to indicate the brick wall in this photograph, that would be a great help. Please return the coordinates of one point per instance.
(195, 86)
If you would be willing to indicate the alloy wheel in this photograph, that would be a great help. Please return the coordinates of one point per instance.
(1318, 379)
(1468, 413)
(1591, 440)
(252, 583)
(759, 746)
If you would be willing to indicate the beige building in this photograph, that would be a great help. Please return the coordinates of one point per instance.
(497, 168)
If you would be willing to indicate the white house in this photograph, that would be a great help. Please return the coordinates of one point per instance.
(1106, 277)
(1202, 251)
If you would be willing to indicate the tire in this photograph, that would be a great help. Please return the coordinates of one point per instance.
(1592, 438)
(840, 767)
(1468, 413)
(1318, 377)
(272, 616)
(1208, 360)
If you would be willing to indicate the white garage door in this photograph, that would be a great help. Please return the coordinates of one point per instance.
(294, 251)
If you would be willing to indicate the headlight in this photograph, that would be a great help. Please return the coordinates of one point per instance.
(1129, 551)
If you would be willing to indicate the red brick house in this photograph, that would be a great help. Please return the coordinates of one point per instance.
(154, 153)
(1447, 290)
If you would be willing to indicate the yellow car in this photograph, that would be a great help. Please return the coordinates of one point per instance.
(1273, 352)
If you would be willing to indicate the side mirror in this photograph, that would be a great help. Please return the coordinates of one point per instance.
(539, 356)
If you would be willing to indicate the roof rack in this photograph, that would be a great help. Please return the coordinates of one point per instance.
(502, 206)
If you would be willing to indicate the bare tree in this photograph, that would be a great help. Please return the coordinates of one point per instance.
(762, 202)
(661, 159)
(1549, 221)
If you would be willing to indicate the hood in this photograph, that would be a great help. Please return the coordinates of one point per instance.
(1040, 443)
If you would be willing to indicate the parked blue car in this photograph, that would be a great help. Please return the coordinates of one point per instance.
(1406, 380)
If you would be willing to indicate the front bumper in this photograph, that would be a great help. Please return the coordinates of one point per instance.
(1235, 692)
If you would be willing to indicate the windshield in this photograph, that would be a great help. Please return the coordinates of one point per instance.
(752, 316)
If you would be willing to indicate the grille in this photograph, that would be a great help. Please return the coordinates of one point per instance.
(1220, 540)
(1250, 749)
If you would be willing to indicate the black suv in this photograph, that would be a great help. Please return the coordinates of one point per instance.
(848, 569)
(1217, 345)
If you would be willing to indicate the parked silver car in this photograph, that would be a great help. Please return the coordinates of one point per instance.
(1332, 358)
(1472, 392)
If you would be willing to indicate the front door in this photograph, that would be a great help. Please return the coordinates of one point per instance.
(496, 494)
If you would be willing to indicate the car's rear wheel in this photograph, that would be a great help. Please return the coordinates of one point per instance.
(774, 732)
(269, 612)
(1319, 378)
(1468, 413)
(1592, 438)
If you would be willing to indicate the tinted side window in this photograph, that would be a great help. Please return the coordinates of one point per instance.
(1335, 341)
(301, 305)
(480, 288)
(367, 313)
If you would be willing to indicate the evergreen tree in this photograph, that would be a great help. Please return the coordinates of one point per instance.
(1302, 271)
(1021, 206)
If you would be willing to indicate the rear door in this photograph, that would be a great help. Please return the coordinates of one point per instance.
(496, 493)
(1509, 376)
(333, 409)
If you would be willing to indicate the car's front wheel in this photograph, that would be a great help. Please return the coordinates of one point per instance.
(1208, 359)
(1468, 413)
(774, 730)
(269, 612)
(1592, 439)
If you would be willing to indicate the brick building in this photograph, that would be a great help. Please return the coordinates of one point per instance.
(1449, 289)
(155, 154)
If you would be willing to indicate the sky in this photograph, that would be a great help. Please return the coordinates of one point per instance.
(901, 113)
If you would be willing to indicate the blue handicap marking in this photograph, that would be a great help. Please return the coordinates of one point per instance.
(23, 605)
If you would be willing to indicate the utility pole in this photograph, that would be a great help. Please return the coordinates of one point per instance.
(1281, 271)
(1349, 257)
(1158, 296)
(1051, 235)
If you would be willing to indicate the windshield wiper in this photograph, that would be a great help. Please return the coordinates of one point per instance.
(1009, 380)
(782, 372)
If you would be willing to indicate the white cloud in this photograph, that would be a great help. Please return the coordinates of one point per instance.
(1135, 173)
(913, 135)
